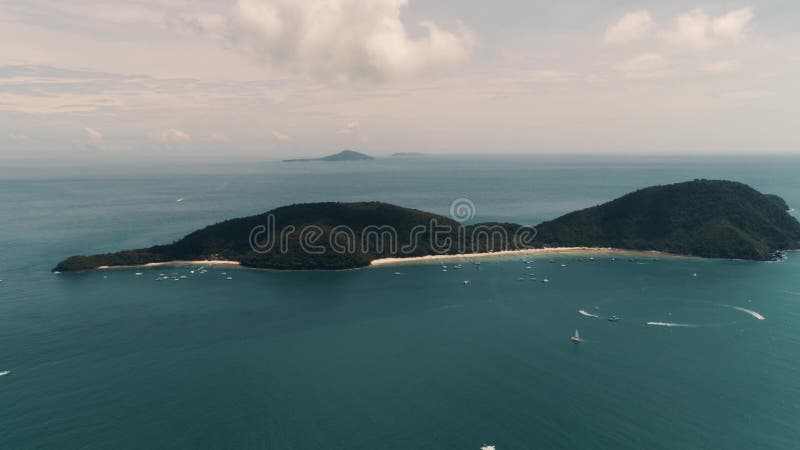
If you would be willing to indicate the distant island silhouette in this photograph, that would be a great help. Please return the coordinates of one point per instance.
(344, 155)
(703, 218)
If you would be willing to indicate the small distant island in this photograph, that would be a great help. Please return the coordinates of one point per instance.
(703, 218)
(406, 154)
(344, 155)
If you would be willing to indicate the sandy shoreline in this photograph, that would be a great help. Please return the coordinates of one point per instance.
(175, 263)
(525, 252)
(432, 258)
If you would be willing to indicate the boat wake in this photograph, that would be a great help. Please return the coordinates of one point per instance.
(587, 314)
(747, 311)
(669, 324)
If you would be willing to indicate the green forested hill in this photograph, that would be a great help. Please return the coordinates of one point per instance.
(705, 218)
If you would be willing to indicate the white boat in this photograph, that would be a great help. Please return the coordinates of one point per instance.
(466, 281)
(546, 280)
(576, 337)
(4, 373)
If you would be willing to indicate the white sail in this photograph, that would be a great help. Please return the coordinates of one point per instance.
(577, 335)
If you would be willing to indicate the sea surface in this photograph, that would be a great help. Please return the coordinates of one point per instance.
(369, 359)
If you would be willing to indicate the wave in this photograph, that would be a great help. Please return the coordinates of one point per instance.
(747, 311)
(669, 324)
(587, 314)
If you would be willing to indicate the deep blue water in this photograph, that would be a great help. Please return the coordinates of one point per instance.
(367, 359)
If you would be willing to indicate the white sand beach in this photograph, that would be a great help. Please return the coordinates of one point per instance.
(176, 263)
(516, 253)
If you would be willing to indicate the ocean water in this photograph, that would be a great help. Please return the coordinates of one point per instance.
(367, 359)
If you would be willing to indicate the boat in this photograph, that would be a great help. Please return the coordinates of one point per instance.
(466, 281)
(546, 280)
(613, 319)
(4, 373)
(576, 337)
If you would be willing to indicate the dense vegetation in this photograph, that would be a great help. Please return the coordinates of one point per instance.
(344, 155)
(714, 219)
(719, 219)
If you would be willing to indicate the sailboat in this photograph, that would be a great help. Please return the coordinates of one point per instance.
(576, 337)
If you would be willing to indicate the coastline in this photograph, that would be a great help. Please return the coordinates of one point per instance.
(506, 254)
(174, 263)
(524, 252)
(430, 258)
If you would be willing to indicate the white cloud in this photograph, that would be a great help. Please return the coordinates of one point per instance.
(647, 65)
(731, 26)
(198, 22)
(281, 137)
(93, 136)
(345, 40)
(720, 66)
(18, 137)
(749, 94)
(171, 135)
(696, 29)
(631, 27)
(350, 129)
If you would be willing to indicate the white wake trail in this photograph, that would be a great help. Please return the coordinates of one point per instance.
(747, 311)
(670, 324)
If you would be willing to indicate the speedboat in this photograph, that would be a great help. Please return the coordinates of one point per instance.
(613, 319)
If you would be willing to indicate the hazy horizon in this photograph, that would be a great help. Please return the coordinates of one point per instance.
(245, 80)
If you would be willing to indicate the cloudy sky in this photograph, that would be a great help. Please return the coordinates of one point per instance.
(271, 78)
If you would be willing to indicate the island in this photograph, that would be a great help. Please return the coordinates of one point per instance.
(344, 155)
(702, 218)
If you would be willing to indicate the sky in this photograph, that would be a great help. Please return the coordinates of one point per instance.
(266, 79)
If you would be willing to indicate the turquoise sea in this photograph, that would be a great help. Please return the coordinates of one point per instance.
(367, 359)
